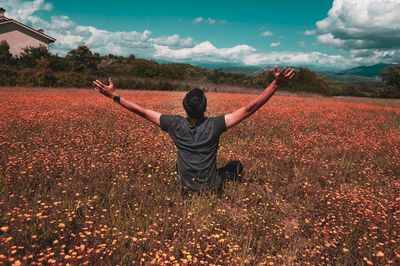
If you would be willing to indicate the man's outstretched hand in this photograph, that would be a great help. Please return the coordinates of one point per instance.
(107, 90)
(283, 76)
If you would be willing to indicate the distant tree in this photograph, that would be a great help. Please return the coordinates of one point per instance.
(5, 55)
(145, 68)
(30, 56)
(57, 63)
(43, 74)
(391, 76)
(306, 80)
(262, 79)
(8, 75)
(82, 59)
(216, 76)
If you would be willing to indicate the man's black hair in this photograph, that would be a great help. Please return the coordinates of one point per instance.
(195, 103)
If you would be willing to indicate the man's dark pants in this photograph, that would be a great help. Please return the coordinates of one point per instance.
(231, 171)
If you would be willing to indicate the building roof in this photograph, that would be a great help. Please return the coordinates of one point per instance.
(5, 20)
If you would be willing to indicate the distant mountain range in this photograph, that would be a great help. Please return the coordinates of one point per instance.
(367, 71)
(356, 74)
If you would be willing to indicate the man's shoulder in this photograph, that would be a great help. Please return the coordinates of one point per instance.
(219, 123)
(172, 117)
(216, 119)
(166, 121)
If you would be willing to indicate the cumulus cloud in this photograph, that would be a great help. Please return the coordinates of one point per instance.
(198, 20)
(309, 32)
(69, 35)
(210, 21)
(275, 44)
(174, 40)
(297, 58)
(247, 55)
(361, 24)
(302, 44)
(205, 52)
(25, 8)
(266, 34)
(372, 56)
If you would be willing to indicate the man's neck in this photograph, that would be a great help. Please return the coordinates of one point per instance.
(193, 121)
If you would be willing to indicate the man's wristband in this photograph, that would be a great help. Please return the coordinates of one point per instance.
(117, 98)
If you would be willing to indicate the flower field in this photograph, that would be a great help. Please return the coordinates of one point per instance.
(84, 181)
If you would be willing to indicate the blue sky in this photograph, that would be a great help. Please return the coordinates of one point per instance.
(236, 22)
(327, 34)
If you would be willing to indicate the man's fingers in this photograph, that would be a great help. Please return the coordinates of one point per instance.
(98, 88)
(276, 69)
(110, 81)
(286, 71)
(99, 84)
(282, 72)
(96, 83)
(95, 86)
(289, 72)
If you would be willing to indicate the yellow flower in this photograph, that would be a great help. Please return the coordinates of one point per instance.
(380, 254)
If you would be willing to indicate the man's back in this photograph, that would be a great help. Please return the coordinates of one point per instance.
(197, 149)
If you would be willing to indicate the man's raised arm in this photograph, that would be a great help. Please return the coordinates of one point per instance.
(109, 91)
(281, 77)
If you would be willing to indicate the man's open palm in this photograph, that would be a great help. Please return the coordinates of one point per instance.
(107, 90)
(284, 75)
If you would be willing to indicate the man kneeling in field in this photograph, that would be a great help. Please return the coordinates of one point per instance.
(197, 136)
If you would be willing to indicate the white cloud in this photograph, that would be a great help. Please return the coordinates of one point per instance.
(275, 44)
(25, 8)
(309, 32)
(372, 56)
(198, 20)
(69, 35)
(329, 39)
(368, 29)
(210, 21)
(299, 59)
(174, 40)
(247, 55)
(361, 24)
(302, 44)
(204, 52)
(266, 34)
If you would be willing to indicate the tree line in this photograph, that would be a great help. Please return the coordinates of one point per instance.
(37, 67)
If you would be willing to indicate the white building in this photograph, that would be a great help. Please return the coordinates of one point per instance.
(20, 36)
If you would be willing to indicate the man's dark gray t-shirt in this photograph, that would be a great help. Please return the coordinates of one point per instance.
(197, 149)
